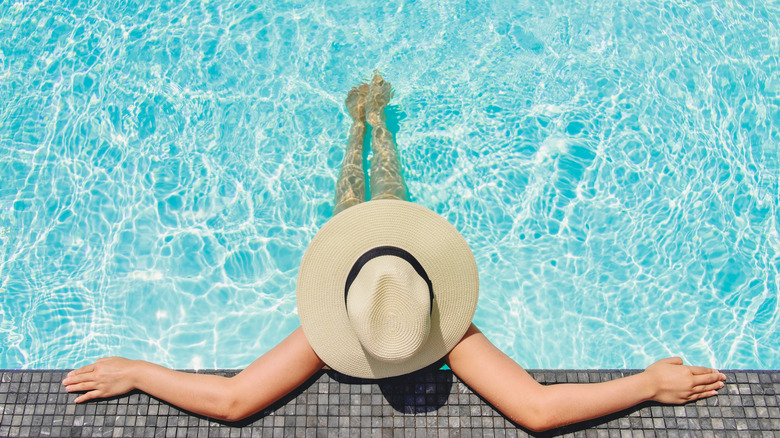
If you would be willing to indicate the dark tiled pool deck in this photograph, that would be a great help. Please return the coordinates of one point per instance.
(430, 403)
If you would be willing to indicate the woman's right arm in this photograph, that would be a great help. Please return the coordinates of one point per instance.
(267, 379)
(508, 387)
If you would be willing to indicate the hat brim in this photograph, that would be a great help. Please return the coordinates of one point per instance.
(433, 241)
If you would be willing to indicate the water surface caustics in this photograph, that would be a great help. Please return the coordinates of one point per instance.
(614, 166)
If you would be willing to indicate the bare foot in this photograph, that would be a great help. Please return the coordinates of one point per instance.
(379, 95)
(356, 102)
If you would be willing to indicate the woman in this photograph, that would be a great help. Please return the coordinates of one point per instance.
(386, 288)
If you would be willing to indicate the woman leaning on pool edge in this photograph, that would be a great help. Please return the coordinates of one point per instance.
(387, 300)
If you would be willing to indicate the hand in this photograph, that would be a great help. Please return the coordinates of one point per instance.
(106, 377)
(676, 383)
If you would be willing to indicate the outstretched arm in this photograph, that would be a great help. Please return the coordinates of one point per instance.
(508, 387)
(266, 380)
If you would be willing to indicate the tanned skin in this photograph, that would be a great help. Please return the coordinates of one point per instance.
(475, 360)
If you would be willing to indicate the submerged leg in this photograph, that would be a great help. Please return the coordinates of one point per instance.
(351, 186)
(387, 181)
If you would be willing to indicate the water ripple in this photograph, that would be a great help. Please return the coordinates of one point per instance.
(614, 166)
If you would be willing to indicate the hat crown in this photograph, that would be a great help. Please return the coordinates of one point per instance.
(389, 309)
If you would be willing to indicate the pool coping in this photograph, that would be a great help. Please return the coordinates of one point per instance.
(429, 403)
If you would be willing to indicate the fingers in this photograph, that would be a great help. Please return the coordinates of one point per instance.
(711, 387)
(705, 379)
(83, 370)
(701, 395)
(76, 378)
(79, 383)
(672, 360)
(88, 396)
(706, 391)
(703, 370)
(85, 386)
(81, 380)
(89, 368)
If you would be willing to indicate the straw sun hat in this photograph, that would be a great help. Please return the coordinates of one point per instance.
(386, 288)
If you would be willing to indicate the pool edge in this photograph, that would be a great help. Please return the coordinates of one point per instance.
(428, 403)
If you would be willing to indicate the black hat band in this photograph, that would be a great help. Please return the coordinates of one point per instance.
(380, 251)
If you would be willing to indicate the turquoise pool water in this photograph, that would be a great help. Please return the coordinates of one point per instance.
(614, 165)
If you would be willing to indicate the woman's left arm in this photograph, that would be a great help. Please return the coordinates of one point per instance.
(267, 379)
